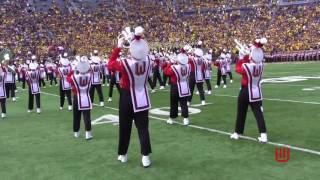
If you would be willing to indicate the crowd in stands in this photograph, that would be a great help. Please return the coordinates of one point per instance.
(167, 23)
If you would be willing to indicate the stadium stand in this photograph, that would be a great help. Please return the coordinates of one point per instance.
(81, 26)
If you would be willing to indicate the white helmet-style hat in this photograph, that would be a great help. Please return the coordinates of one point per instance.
(138, 31)
(223, 55)
(182, 58)
(33, 66)
(64, 62)
(83, 65)
(198, 52)
(139, 49)
(256, 54)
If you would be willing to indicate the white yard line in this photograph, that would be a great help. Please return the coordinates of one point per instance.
(198, 105)
(274, 99)
(221, 132)
(268, 99)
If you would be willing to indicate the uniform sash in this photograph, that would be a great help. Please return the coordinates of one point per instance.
(182, 73)
(254, 74)
(138, 72)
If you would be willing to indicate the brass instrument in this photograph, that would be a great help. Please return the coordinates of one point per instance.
(127, 36)
(243, 49)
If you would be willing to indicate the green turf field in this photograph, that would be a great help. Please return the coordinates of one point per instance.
(42, 146)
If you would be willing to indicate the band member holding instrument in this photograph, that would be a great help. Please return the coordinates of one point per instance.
(208, 71)
(96, 77)
(134, 97)
(80, 80)
(229, 62)
(221, 65)
(196, 76)
(3, 96)
(10, 81)
(251, 69)
(65, 86)
(180, 91)
(33, 78)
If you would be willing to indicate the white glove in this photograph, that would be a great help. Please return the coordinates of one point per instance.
(120, 43)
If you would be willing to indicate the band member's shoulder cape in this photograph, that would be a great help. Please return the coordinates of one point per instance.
(254, 73)
(138, 72)
(82, 83)
(63, 72)
(2, 85)
(182, 73)
(198, 64)
(33, 78)
(96, 73)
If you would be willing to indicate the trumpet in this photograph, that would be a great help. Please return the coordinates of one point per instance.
(243, 49)
(127, 36)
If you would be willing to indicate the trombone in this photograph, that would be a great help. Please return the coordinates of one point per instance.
(243, 49)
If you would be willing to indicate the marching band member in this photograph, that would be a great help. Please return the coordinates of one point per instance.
(114, 80)
(10, 81)
(208, 71)
(229, 62)
(151, 57)
(134, 97)
(105, 72)
(156, 72)
(164, 63)
(64, 85)
(42, 75)
(80, 80)
(221, 64)
(50, 70)
(180, 91)
(3, 95)
(96, 77)
(196, 75)
(23, 71)
(3, 92)
(251, 69)
(33, 78)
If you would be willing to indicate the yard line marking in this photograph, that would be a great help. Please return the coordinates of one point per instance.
(198, 105)
(273, 99)
(269, 99)
(221, 132)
